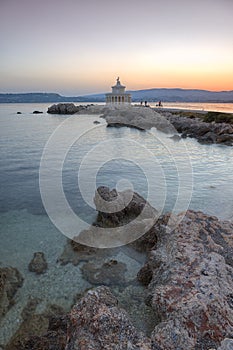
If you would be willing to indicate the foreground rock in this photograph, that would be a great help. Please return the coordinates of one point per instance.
(95, 323)
(189, 279)
(190, 282)
(10, 281)
(38, 263)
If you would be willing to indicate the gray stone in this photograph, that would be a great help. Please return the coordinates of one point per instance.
(10, 281)
(38, 264)
(191, 284)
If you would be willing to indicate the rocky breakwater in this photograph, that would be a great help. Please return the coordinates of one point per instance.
(206, 128)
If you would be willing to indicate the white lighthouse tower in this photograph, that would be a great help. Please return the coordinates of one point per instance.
(118, 95)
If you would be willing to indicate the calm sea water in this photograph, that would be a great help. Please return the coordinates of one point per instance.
(201, 106)
(157, 167)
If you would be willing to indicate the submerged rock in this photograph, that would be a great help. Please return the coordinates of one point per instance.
(38, 264)
(75, 253)
(37, 112)
(10, 281)
(30, 334)
(109, 273)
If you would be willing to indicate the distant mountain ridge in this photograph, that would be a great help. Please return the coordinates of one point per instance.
(176, 95)
(150, 95)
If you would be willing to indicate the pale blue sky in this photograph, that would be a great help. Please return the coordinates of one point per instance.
(77, 47)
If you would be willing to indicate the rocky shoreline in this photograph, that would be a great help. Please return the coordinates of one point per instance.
(218, 129)
(188, 276)
(205, 132)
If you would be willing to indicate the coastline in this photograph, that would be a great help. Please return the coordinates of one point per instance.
(67, 273)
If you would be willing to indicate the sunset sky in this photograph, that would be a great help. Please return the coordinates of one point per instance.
(77, 47)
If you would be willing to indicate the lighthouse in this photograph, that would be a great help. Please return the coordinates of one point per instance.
(118, 95)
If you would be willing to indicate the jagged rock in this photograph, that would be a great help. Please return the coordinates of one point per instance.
(97, 323)
(64, 108)
(108, 273)
(38, 264)
(225, 138)
(40, 331)
(191, 285)
(118, 208)
(10, 281)
(94, 323)
(204, 132)
(145, 275)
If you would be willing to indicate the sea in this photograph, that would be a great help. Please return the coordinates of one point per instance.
(42, 152)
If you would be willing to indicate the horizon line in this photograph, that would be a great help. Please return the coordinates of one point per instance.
(99, 93)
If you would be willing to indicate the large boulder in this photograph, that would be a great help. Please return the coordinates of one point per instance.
(98, 323)
(118, 208)
(137, 117)
(64, 108)
(123, 218)
(190, 282)
(10, 281)
(94, 323)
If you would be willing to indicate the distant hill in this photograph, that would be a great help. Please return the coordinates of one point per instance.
(150, 95)
(175, 95)
(37, 97)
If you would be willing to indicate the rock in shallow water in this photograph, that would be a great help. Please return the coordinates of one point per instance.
(109, 273)
(38, 264)
(10, 281)
(65, 108)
